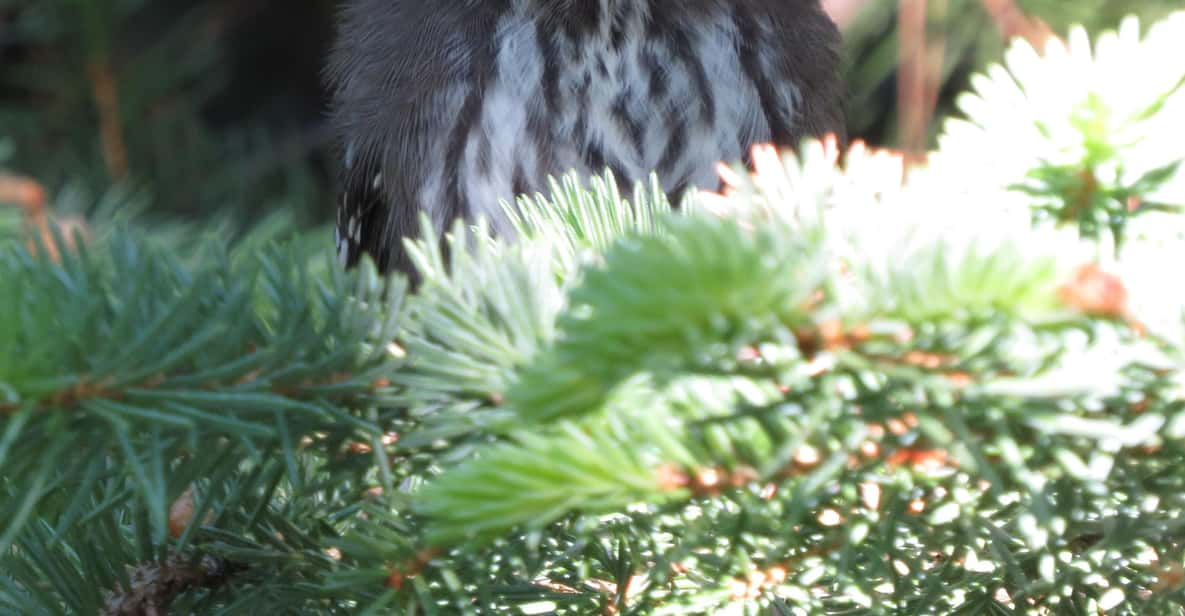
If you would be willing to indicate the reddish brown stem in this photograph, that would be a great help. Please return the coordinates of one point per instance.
(105, 89)
(1013, 22)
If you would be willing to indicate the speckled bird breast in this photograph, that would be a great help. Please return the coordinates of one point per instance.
(450, 107)
(637, 93)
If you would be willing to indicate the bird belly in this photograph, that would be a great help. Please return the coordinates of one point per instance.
(618, 98)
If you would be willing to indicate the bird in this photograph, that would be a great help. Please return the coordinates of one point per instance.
(449, 107)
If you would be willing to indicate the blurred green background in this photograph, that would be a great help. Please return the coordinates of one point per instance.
(201, 110)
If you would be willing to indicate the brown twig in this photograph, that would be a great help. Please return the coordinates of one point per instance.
(154, 586)
(32, 198)
(25, 193)
(1013, 22)
(88, 389)
(105, 89)
(919, 74)
(71, 396)
(397, 577)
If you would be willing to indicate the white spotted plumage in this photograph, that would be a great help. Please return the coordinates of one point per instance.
(452, 107)
(736, 121)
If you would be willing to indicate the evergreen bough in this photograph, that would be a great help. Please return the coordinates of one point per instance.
(827, 390)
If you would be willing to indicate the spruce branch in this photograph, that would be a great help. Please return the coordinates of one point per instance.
(477, 321)
(122, 337)
(895, 396)
(580, 219)
(697, 293)
(833, 388)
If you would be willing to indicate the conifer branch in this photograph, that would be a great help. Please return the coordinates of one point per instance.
(834, 387)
